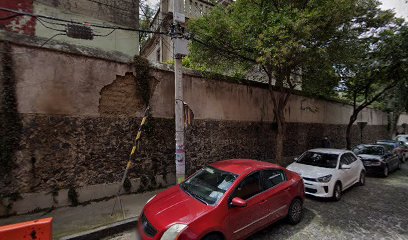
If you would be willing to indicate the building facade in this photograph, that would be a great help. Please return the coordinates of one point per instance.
(159, 48)
(121, 13)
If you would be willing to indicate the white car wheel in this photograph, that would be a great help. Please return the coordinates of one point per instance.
(362, 179)
(337, 192)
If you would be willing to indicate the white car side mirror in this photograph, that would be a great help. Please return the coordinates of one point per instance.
(345, 166)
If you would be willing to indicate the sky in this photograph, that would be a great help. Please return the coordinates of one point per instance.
(400, 6)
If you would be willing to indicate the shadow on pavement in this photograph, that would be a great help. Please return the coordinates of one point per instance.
(283, 229)
(377, 210)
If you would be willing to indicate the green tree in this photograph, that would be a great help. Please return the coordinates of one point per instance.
(286, 38)
(376, 64)
(395, 102)
(146, 16)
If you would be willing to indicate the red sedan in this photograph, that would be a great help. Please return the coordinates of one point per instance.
(229, 199)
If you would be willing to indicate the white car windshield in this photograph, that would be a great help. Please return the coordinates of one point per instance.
(209, 185)
(318, 159)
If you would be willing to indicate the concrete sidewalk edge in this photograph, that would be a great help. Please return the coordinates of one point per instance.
(104, 231)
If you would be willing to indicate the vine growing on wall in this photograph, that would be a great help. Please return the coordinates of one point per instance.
(10, 121)
(143, 77)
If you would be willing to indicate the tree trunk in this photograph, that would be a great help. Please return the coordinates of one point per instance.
(280, 133)
(279, 104)
(353, 118)
(394, 116)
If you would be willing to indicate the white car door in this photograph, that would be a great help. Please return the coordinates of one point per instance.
(355, 167)
(345, 175)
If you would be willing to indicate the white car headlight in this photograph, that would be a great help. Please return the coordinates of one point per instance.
(173, 232)
(150, 199)
(325, 179)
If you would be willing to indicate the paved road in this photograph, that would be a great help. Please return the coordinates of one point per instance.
(378, 210)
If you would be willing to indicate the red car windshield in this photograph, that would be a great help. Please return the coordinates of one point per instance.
(209, 185)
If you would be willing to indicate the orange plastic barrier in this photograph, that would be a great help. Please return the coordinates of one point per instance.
(40, 229)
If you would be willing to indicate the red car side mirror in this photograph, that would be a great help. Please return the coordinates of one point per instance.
(238, 202)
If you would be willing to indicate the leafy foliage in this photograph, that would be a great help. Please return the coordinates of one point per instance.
(396, 100)
(284, 37)
(146, 16)
(376, 62)
(315, 41)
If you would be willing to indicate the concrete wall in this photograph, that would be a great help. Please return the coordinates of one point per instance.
(403, 119)
(77, 116)
(72, 85)
(403, 124)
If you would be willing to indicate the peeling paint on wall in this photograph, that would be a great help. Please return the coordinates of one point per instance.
(121, 97)
(19, 24)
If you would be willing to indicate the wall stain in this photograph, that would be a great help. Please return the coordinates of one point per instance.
(10, 122)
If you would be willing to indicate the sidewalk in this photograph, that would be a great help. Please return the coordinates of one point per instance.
(71, 220)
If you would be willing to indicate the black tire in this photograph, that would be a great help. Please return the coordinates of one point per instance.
(213, 236)
(295, 212)
(337, 192)
(361, 182)
(386, 171)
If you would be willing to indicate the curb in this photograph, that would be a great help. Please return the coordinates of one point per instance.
(104, 231)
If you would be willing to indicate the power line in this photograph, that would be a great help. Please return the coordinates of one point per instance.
(49, 39)
(9, 17)
(65, 25)
(42, 23)
(105, 35)
(167, 44)
(80, 23)
(42, 45)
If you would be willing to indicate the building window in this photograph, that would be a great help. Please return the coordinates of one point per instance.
(158, 55)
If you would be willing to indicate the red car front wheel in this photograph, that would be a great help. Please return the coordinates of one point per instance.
(295, 211)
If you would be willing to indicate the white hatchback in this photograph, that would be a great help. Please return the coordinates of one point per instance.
(328, 172)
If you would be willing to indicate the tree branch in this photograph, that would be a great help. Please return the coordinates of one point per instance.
(376, 96)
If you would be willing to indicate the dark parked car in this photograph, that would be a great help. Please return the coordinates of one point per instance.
(377, 158)
(398, 148)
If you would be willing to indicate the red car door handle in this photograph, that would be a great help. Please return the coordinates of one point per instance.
(263, 201)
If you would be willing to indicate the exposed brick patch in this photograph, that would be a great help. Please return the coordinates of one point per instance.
(122, 97)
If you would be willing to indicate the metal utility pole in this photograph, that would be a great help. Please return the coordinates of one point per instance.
(179, 50)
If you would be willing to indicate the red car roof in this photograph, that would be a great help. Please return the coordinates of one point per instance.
(242, 166)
